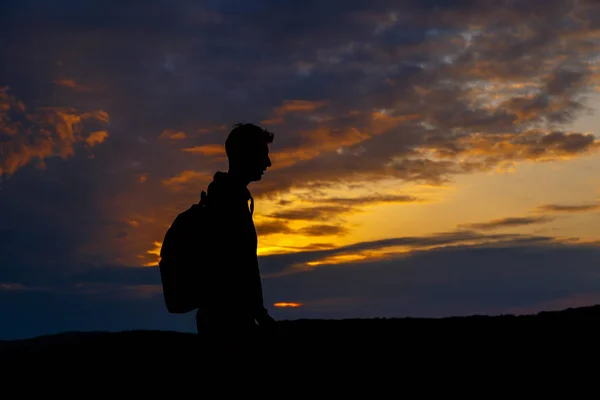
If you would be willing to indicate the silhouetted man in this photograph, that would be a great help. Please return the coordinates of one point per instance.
(232, 299)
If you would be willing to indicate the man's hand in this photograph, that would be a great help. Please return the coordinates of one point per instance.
(264, 319)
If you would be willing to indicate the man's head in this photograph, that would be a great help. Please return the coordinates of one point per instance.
(247, 148)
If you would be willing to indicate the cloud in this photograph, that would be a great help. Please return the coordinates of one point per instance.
(568, 208)
(4, 286)
(293, 106)
(96, 138)
(417, 93)
(266, 228)
(27, 136)
(368, 200)
(465, 280)
(207, 150)
(71, 84)
(184, 178)
(479, 152)
(509, 222)
(322, 213)
(172, 134)
(324, 230)
(390, 248)
(322, 209)
(279, 227)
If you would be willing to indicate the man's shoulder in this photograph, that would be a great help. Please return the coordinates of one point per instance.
(223, 190)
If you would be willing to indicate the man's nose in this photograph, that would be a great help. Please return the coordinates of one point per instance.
(268, 162)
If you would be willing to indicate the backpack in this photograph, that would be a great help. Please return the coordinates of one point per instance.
(181, 258)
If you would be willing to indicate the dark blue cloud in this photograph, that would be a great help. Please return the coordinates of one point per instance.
(466, 280)
(454, 281)
(28, 314)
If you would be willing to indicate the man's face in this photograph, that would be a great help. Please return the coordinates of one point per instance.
(257, 162)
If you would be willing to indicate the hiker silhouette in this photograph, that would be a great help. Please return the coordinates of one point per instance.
(231, 308)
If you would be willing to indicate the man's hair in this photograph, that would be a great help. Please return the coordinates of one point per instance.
(246, 137)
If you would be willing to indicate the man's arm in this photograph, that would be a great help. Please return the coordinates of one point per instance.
(257, 293)
(261, 314)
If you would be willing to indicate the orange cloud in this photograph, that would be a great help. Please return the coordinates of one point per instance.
(283, 305)
(298, 106)
(329, 139)
(43, 132)
(71, 84)
(320, 140)
(96, 138)
(207, 150)
(185, 177)
(293, 106)
(382, 121)
(217, 128)
(347, 258)
(486, 151)
(272, 121)
(172, 135)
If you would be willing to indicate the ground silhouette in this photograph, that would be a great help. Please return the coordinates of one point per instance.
(499, 348)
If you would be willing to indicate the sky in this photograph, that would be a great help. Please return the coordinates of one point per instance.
(430, 159)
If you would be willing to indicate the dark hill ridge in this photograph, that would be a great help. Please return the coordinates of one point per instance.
(553, 341)
(309, 330)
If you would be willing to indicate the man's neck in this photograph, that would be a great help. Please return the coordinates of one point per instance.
(238, 177)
